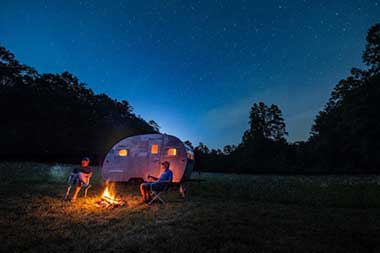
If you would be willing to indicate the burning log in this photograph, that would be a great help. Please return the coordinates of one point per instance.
(109, 200)
(106, 202)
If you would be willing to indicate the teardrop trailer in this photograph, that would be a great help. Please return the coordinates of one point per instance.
(136, 157)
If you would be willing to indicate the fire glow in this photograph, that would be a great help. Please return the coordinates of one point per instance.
(109, 199)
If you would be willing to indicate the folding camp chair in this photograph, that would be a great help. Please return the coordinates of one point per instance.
(73, 184)
(156, 195)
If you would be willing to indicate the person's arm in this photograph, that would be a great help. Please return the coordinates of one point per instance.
(152, 177)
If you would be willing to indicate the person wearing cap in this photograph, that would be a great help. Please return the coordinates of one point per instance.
(158, 184)
(79, 177)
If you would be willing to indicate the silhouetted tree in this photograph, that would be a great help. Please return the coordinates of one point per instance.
(265, 123)
(154, 125)
(188, 143)
(56, 117)
(371, 55)
(201, 157)
(264, 143)
(202, 148)
(345, 135)
(228, 149)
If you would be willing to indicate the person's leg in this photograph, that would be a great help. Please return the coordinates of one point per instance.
(158, 187)
(144, 191)
(148, 188)
(78, 186)
(77, 189)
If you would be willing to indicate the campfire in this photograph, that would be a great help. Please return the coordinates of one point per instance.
(109, 199)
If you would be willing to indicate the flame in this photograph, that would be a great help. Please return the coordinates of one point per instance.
(110, 195)
(107, 193)
(109, 198)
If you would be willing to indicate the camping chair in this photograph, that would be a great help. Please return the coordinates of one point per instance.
(156, 195)
(72, 182)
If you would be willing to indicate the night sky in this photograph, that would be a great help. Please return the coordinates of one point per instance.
(196, 67)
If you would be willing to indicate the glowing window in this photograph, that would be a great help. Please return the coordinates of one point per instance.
(172, 152)
(123, 152)
(154, 149)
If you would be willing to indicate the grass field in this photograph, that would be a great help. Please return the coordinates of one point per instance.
(225, 213)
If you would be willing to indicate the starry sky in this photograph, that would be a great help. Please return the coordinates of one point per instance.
(196, 67)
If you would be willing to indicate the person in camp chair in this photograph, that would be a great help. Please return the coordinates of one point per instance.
(158, 184)
(80, 177)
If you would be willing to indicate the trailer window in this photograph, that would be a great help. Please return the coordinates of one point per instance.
(123, 152)
(172, 152)
(154, 149)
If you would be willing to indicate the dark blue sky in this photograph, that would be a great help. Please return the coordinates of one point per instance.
(196, 67)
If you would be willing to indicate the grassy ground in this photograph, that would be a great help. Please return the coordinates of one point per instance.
(225, 213)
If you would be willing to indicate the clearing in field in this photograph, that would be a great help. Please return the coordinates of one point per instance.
(225, 213)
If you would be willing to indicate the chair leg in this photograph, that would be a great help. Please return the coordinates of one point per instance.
(182, 191)
(67, 193)
(86, 189)
(160, 199)
(156, 196)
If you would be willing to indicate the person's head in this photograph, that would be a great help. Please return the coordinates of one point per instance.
(165, 165)
(85, 161)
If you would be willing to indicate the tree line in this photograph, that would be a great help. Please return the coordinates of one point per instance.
(345, 136)
(55, 117)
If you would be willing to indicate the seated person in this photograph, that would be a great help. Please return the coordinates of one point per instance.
(159, 183)
(79, 177)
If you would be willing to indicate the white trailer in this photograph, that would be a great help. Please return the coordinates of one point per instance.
(136, 157)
